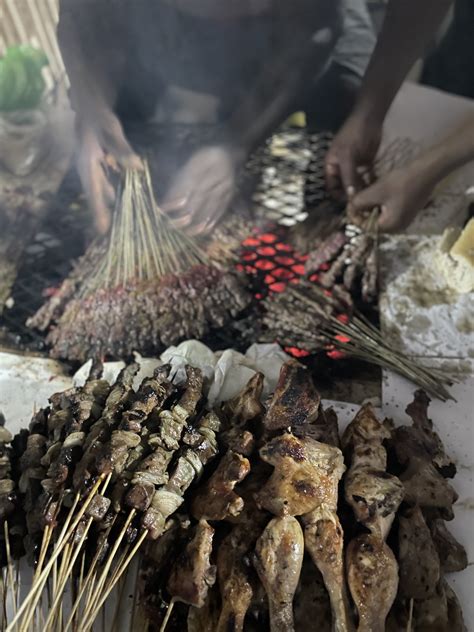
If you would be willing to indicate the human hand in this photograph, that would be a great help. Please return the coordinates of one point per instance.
(400, 195)
(350, 158)
(202, 190)
(102, 144)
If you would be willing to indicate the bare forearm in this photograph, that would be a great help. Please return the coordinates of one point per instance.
(87, 33)
(452, 152)
(408, 27)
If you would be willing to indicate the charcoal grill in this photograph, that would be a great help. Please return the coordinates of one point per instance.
(284, 179)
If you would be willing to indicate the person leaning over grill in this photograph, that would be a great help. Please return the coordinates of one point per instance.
(239, 67)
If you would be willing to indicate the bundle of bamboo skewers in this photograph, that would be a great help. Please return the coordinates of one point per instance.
(314, 319)
(143, 288)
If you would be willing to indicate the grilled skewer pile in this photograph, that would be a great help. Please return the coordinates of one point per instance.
(144, 287)
(237, 510)
(271, 541)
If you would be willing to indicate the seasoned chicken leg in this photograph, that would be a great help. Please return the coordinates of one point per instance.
(324, 541)
(278, 560)
(372, 574)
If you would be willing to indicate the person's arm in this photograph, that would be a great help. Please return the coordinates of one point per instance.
(89, 39)
(408, 27)
(404, 192)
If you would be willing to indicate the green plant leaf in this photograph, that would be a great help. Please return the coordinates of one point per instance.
(21, 81)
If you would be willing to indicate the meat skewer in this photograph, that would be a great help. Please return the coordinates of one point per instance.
(278, 559)
(374, 496)
(370, 490)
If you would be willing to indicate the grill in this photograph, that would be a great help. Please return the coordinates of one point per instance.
(283, 180)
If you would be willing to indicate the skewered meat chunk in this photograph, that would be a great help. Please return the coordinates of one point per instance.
(452, 554)
(193, 574)
(419, 565)
(369, 277)
(239, 411)
(217, 499)
(372, 575)
(151, 395)
(326, 251)
(295, 402)
(305, 477)
(278, 559)
(370, 490)
(188, 468)
(151, 471)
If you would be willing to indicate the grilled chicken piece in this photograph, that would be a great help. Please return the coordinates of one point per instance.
(234, 577)
(311, 602)
(419, 440)
(440, 613)
(193, 574)
(239, 411)
(278, 559)
(217, 499)
(372, 574)
(417, 557)
(295, 402)
(306, 475)
(424, 486)
(324, 540)
(452, 554)
(370, 490)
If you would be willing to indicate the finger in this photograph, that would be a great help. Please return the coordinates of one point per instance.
(98, 192)
(173, 206)
(391, 220)
(113, 141)
(333, 180)
(367, 199)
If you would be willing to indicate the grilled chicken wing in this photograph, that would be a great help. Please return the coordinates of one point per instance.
(295, 402)
(217, 500)
(193, 573)
(306, 475)
(372, 574)
(278, 559)
(370, 490)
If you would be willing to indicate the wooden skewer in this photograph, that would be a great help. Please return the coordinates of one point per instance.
(169, 611)
(68, 529)
(90, 621)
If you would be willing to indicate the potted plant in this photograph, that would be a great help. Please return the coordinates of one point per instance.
(23, 120)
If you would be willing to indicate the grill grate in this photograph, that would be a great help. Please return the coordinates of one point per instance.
(284, 179)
